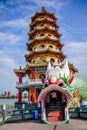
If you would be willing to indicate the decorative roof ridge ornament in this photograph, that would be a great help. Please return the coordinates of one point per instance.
(43, 9)
(65, 64)
(66, 68)
(49, 66)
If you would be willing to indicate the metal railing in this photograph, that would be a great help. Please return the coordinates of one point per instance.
(29, 83)
(78, 113)
(15, 114)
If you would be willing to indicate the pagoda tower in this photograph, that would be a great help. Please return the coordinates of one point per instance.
(44, 46)
(44, 40)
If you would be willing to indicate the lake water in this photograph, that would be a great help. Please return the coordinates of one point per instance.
(10, 101)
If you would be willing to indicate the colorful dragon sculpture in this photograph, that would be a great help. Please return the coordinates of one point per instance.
(73, 88)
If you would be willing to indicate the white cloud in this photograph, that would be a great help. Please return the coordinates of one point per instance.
(48, 3)
(76, 48)
(7, 61)
(9, 38)
(7, 80)
(77, 54)
(15, 23)
(7, 76)
(7, 65)
(55, 5)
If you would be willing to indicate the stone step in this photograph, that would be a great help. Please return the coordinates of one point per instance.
(56, 109)
(55, 106)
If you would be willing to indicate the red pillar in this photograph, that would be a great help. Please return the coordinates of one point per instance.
(33, 94)
(32, 74)
(19, 90)
(37, 95)
(19, 96)
(20, 78)
(33, 91)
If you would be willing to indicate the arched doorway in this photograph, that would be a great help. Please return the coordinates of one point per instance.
(54, 113)
(55, 103)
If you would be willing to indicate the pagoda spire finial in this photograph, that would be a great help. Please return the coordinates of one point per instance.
(43, 9)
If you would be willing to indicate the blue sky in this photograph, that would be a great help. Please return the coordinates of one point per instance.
(15, 17)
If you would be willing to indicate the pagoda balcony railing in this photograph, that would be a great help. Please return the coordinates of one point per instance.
(53, 28)
(40, 19)
(52, 37)
(29, 83)
(42, 49)
(53, 49)
(41, 37)
(41, 27)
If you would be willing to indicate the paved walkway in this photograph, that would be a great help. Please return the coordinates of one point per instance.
(32, 125)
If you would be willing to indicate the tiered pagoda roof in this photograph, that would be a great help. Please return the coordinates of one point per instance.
(44, 30)
(45, 52)
(20, 71)
(43, 21)
(44, 12)
(72, 67)
(44, 42)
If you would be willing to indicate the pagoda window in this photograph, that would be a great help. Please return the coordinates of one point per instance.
(42, 46)
(41, 25)
(41, 17)
(42, 35)
(52, 60)
(50, 46)
(33, 61)
(49, 35)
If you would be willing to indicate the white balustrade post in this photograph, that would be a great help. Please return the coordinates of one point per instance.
(4, 108)
(23, 109)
